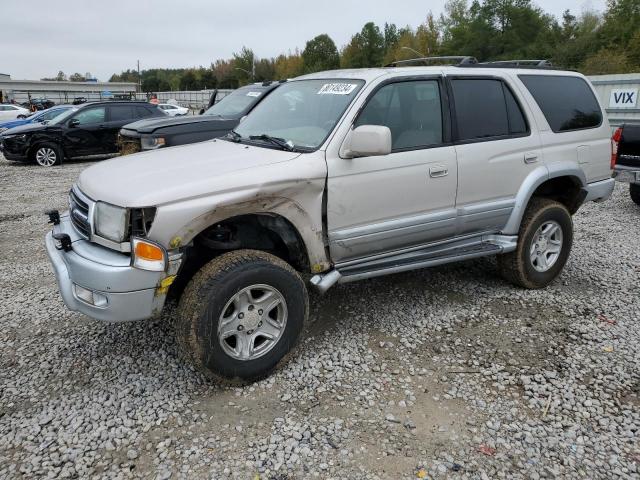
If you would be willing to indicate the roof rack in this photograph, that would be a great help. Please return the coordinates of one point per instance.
(459, 61)
(513, 64)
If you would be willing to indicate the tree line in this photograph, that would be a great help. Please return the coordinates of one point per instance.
(591, 42)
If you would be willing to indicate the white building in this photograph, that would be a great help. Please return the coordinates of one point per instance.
(61, 92)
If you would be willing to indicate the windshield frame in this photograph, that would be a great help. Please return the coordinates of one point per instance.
(247, 88)
(362, 84)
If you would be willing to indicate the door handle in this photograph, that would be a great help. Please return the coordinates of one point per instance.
(530, 157)
(438, 171)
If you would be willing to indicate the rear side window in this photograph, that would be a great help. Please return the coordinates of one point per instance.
(566, 102)
(122, 112)
(485, 108)
(142, 112)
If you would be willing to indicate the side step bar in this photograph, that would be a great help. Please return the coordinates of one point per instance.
(412, 260)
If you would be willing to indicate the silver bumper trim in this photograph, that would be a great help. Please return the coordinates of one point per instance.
(131, 293)
(599, 191)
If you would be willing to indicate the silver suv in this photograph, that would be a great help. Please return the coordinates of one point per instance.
(342, 175)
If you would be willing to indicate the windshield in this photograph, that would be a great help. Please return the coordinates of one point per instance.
(62, 118)
(236, 103)
(302, 113)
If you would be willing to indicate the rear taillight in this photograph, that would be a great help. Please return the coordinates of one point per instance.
(615, 142)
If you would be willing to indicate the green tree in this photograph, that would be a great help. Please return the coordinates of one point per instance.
(289, 65)
(366, 48)
(77, 77)
(606, 61)
(320, 53)
(244, 66)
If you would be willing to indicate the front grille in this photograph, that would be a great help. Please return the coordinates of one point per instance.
(79, 213)
(128, 145)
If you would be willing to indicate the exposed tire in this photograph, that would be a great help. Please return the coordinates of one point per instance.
(226, 320)
(47, 154)
(634, 192)
(538, 260)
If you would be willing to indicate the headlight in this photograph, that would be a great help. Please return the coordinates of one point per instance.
(111, 221)
(151, 143)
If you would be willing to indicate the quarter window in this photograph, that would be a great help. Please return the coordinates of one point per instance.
(566, 102)
(412, 110)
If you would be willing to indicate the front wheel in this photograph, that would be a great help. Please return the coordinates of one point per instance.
(634, 192)
(47, 155)
(241, 315)
(544, 243)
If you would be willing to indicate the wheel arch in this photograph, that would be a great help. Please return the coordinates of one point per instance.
(563, 182)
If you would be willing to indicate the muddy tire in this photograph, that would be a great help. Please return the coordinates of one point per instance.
(544, 243)
(634, 192)
(47, 154)
(241, 316)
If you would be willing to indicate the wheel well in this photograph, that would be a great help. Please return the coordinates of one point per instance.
(566, 190)
(266, 232)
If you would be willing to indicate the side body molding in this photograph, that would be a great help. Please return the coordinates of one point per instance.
(536, 178)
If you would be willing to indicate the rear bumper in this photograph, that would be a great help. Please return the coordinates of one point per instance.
(125, 293)
(599, 191)
(627, 174)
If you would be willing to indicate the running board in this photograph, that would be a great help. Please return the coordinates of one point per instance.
(418, 258)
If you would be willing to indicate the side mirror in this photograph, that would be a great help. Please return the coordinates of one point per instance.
(74, 122)
(367, 141)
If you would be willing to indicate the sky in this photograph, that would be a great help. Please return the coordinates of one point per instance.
(40, 37)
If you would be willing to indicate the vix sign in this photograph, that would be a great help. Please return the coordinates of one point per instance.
(623, 98)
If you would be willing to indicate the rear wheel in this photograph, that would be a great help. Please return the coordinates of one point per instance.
(544, 243)
(241, 315)
(634, 192)
(47, 155)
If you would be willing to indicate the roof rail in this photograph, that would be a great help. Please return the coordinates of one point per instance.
(514, 64)
(460, 60)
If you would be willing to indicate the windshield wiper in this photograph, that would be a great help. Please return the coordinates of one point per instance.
(275, 140)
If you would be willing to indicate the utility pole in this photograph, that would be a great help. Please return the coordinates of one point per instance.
(139, 79)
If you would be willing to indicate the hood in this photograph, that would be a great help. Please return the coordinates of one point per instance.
(177, 173)
(14, 123)
(28, 128)
(150, 125)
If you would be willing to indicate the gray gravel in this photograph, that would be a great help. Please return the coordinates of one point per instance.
(441, 373)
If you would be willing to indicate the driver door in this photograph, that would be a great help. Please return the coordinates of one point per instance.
(407, 198)
(83, 132)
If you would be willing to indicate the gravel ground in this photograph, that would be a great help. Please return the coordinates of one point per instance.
(441, 373)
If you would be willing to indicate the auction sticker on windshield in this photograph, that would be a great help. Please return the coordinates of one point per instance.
(254, 94)
(337, 88)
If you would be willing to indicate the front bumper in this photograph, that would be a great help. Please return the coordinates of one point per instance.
(627, 174)
(130, 293)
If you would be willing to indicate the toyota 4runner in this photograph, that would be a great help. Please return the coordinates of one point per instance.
(343, 175)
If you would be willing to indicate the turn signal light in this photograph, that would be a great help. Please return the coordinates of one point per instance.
(148, 255)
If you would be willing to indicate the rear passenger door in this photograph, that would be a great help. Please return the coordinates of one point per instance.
(119, 116)
(383, 203)
(496, 150)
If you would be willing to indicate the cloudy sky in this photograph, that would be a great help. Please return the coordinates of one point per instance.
(40, 37)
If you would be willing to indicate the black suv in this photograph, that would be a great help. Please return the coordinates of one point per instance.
(217, 121)
(90, 130)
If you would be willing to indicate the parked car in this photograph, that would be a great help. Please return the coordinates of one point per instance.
(92, 129)
(11, 112)
(217, 121)
(38, 104)
(173, 110)
(343, 175)
(625, 158)
(79, 100)
(38, 117)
